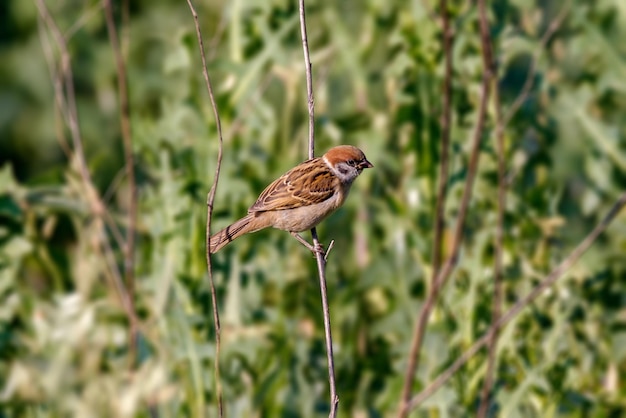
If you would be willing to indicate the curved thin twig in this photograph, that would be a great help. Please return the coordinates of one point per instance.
(65, 98)
(210, 202)
(548, 281)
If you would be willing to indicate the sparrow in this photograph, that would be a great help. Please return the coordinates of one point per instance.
(301, 198)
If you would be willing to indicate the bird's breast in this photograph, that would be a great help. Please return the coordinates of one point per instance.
(306, 217)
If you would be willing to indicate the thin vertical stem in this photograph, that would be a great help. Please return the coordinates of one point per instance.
(309, 79)
(443, 166)
(66, 100)
(210, 202)
(129, 164)
(498, 241)
(321, 260)
(321, 268)
(445, 137)
(451, 261)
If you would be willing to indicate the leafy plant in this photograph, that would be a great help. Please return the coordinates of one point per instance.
(378, 71)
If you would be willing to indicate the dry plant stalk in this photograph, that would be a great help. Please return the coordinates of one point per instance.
(499, 236)
(321, 258)
(129, 165)
(446, 114)
(490, 338)
(547, 282)
(443, 168)
(210, 202)
(451, 262)
(65, 99)
(501, 122)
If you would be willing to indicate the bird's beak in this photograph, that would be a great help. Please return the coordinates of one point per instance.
(365, 164)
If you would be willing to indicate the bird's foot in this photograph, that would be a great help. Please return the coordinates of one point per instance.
(315, 249)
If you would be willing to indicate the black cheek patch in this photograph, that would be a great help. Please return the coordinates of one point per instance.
(343, 170)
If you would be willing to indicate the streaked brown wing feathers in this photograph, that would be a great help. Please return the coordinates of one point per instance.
(306, 184)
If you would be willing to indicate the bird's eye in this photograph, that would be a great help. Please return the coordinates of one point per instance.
(351, 162)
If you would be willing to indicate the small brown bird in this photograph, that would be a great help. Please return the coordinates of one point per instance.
(301, 198)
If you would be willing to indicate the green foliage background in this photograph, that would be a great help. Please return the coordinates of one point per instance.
(378, 70)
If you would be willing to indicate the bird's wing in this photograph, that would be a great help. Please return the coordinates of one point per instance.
(306, 184)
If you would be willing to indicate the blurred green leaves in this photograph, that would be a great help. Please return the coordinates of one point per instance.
(378, 71)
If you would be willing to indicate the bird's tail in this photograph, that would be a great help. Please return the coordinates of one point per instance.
(233, 231)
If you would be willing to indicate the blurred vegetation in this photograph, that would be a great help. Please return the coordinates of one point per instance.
(378, 69)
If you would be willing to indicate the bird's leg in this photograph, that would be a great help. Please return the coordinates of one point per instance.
(313, 248)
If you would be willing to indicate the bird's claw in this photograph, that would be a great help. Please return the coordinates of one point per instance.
(318, 249)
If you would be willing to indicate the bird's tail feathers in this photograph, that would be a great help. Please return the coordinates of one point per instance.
(231, 232)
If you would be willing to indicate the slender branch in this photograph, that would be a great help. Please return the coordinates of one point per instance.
(125, 41)
(443, 170)
(445, 137)
(129, 164)
(70, 101)
(321, 259)
(65, 98)
(328, 337)
(65, 101)
(210, 202)
(309, 79)
(498, 241)
(502, 181)
(451, 261)
(548, 281)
